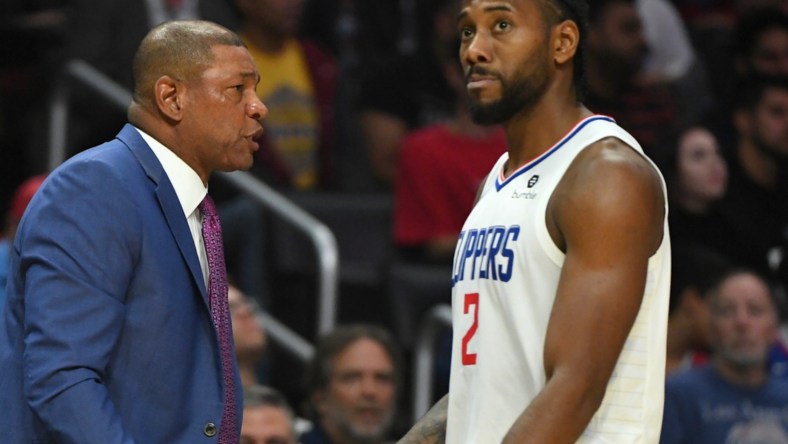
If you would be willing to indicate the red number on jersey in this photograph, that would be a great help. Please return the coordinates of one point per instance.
(470, 299)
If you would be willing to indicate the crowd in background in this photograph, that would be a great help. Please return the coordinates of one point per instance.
(365, 98)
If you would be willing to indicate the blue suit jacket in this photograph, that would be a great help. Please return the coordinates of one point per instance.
(106, 335)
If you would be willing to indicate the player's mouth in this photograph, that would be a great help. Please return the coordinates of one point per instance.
(476, 82)
(478, 77)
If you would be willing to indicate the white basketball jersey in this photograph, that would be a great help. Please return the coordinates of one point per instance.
(505, 276)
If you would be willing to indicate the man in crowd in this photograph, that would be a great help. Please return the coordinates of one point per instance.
(352, 382)
(267, 418)
(734, 398)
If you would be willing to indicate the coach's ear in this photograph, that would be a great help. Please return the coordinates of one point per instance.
(168, 94)
(566, 38)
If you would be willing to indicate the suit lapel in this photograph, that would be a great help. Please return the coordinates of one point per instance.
(168, 201)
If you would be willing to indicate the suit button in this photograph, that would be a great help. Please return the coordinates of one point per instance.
(209, 429)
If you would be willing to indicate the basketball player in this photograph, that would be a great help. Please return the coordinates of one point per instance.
(561, 272)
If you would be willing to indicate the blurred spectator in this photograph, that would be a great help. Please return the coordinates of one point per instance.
(757, 45)
(21, 198)
(403, 85)
(671, 54)
(719, 13)
(267, 418)
(440, 169)
(755, 202)
(697, 178)
(617, 50)
(762, 43)
(734, 398)
(694, 271)
(298, 85)
(352, 382)
(671, 58)
(248, 335)
(711, 26)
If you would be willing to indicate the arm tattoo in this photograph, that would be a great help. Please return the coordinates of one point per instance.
(431, 428)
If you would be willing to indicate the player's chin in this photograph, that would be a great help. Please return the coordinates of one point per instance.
(483, 101)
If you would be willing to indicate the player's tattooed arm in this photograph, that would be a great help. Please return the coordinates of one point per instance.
(431, 428)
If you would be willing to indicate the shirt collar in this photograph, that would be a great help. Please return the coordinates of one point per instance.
(186, 182)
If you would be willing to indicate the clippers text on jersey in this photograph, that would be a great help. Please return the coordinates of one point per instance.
(485, 253)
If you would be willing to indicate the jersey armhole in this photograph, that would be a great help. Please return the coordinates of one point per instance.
(543, 234)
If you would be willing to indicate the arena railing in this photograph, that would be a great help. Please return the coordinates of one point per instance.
(435, 321)
(290, 341)
(319, 234)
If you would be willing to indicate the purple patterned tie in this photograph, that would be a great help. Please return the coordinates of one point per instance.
(220, 313)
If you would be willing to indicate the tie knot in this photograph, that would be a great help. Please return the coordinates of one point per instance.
(211, 227)
(207, 207)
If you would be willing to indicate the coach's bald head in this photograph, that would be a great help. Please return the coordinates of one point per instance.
(178, 49)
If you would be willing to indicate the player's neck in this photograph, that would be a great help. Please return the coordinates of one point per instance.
(533, 132)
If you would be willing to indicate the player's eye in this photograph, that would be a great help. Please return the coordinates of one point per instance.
(466, 33)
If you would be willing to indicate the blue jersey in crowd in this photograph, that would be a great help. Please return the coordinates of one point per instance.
(703, 408)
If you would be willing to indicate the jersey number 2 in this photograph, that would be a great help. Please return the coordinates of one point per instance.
(471, 299)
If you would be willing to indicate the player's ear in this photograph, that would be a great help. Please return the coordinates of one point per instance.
(566, 38)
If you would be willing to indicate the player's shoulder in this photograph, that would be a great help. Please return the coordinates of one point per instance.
(613, 152)
(614, 185)
(613, 165)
